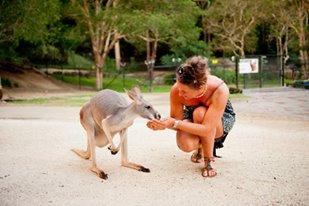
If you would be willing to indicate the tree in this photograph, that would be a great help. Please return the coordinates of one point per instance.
(294, 15)
(100, 20)
(169, 21)
(28, 21)
(230, 22)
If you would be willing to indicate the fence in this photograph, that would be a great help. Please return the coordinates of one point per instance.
(271, 73)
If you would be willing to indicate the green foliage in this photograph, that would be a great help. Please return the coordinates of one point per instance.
(230, 22)
(27, 21)
(37, 31)
(301, 84)
(6, 83)
(110, 66)
(226, 75)
(169, 79)
(133, 65)
(8, 52)
(36, 25)
(184, 51)
(77, 61)
(195, 47)
(168, 59)
(172, 22)
(117, 84)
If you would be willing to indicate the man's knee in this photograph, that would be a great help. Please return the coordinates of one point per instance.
(186, 143)
(198, 114)
(184, 147)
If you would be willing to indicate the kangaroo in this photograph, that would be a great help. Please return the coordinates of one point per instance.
(107, 114)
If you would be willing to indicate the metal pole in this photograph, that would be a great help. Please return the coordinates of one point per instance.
(79, 79)
(1, 93)
(150, 65)
(261, 70)
(237, 71)
(282, 70)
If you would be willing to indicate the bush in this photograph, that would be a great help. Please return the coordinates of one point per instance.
(169, 79)
(234, 90)
(7, 83)
(301, 84)
(226, 75)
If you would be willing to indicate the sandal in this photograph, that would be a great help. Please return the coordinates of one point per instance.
(197, 157)
(206, 172)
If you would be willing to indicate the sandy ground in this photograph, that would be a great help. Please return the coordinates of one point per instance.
(265, 158)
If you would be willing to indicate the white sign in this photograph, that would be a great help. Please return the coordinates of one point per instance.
(248, 66)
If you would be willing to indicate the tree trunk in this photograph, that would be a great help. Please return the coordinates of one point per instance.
(1, 93)
(103, 38)
(302, 46)
(149, 61)
(148, 52)
(154, 49)
(99, 71)
(279, 46)
(242, 50)
(153, 55)
(117, 55)
(286, 42)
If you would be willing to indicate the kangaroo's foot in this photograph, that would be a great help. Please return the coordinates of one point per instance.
(144, 169)
(135, 166)
(113, 150)
(99, 173)
(82, 153)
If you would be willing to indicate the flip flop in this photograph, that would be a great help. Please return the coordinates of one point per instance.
(197, 157)
(208, 168)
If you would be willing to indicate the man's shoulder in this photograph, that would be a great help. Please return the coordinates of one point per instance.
(218, 87)
(174, 89)
(174, 94)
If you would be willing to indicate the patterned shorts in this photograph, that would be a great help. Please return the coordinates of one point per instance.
(228, 120)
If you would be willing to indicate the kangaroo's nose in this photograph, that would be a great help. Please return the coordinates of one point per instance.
(158, 116)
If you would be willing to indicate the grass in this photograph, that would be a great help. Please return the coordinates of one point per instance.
(79, 100)
(238, 97)
(69, 101)
(77, 61)
(117, 84)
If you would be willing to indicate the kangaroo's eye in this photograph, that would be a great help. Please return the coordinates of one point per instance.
(147, 107)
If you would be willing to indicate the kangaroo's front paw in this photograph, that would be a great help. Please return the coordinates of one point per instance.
(144, 169)
(113, 150)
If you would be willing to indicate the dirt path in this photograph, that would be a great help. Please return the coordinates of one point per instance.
(265, 158)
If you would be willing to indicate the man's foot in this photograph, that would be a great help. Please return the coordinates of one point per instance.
(197, 156)
(208, 171)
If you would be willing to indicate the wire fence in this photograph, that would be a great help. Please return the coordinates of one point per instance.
(273, 72)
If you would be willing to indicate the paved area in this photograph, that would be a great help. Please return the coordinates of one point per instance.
(281, 102)
(265, 158)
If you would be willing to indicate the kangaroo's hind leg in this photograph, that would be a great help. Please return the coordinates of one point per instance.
(124, 155)
(87, 123)
(82, 153)
(94, 168)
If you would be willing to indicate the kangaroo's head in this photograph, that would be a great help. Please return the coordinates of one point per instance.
(143, 108)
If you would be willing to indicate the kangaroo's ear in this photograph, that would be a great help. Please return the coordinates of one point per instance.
(137, 91)
(131, 94)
